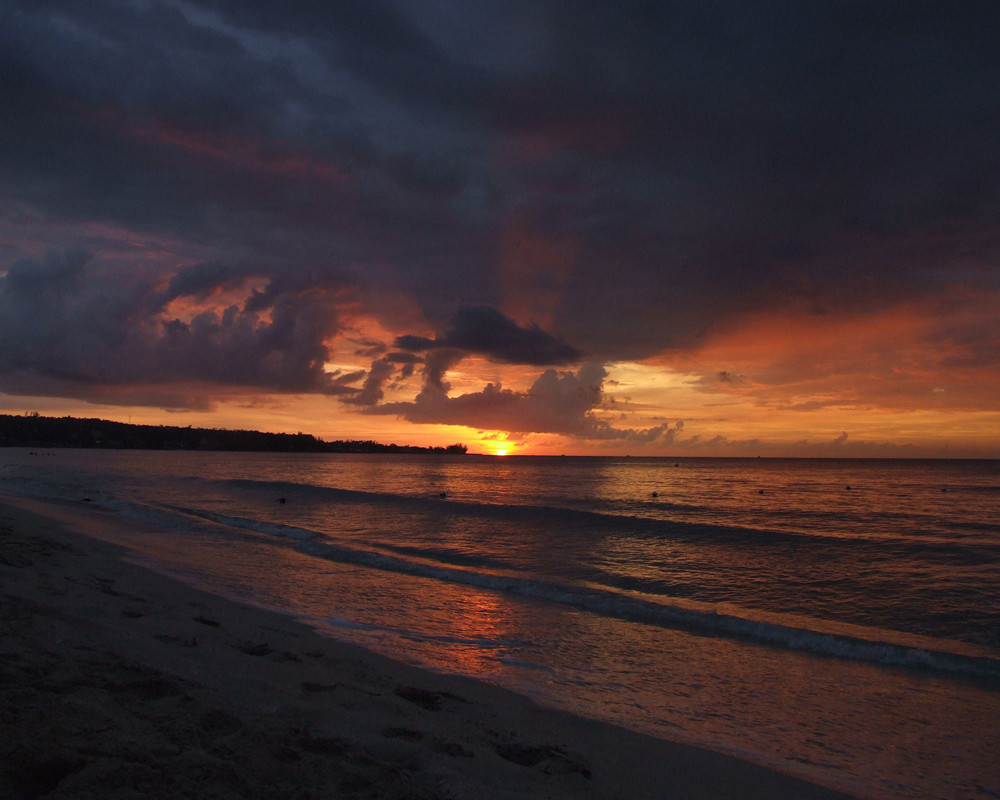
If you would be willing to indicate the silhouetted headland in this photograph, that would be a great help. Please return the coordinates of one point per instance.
(34, 430)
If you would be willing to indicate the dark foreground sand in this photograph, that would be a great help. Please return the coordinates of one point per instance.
(116, 682)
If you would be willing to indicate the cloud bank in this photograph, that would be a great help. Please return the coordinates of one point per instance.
(557, 402)
(73, 330)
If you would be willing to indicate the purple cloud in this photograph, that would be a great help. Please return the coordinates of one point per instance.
(485, 331)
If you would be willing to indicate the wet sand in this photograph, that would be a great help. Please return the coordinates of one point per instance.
(117, 682)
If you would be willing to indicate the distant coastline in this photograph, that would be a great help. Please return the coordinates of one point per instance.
(34, 430)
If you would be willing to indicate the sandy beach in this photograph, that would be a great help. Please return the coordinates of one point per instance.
(118, 682)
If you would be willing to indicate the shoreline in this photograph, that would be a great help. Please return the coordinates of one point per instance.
(121, 682)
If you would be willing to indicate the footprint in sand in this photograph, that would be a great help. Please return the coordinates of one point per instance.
(452, 749)
(166, 638)
(550, 760)
(314, 688)
(425, 698)
(15, 560)
(262, 649)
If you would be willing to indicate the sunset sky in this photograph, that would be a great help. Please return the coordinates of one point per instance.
(531, 226)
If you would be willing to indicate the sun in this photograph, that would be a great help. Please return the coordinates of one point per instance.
(498, 443)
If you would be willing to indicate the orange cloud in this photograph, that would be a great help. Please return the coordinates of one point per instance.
(936, 353)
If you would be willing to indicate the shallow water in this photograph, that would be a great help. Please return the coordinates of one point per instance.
(837, 619)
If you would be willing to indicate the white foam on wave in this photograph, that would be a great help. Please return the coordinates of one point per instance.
(838, 640)
(257, 526)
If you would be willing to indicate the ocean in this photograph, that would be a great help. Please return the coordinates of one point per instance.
(835, 619)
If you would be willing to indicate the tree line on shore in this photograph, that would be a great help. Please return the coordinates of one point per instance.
(34, 430)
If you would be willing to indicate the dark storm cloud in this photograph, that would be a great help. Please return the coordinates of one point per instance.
(696, 163)
(371, 390)
(485, 331)
(201, 280)
(72, 329)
